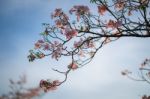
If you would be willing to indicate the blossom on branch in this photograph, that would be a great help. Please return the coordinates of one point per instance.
(73, 66)
(81, 39)
(57, 49)
(49, 86)
(102, 9)
(80, 10)
(58, 12)
(69, 33)
(113, 24)
(120, 4)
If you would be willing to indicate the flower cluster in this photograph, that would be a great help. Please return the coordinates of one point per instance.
(113, 24)
(59, 23)
(120, 4)
(62, 18)
(69, 33)
(18, 91)
(80, 10)
(41, 44)
(102, 9)
(87, 44)
(57, 49)
(31, 93)
(48, 86)
(58, 12)
(77, 44)
(73, 66)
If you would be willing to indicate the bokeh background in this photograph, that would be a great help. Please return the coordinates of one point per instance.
(20, 25)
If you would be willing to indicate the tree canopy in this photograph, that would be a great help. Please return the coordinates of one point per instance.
(80, 34)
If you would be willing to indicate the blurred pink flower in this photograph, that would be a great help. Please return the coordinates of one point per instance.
(102, 9)
(73, 66)
(57, 49)
(69, 33)
(49, 86)
(113, 24)
(58, 12)
(77, 44)
(80, 10)
(120, 4)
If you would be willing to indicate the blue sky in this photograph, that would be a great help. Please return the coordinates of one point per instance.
(19, 29)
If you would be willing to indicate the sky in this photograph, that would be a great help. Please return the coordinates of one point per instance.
(21, 22)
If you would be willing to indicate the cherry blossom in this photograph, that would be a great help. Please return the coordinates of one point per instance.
(102, 9)
(49, 86)
(113, 24)
(18, 91)
(89, 33)
(69, 33)
(62, 18)
(80, 10)
(57, 49)
(120, 4)
(38, 44)
(58, 12)
(46, 46)
(73, 66)
(77, 44)
(59, 23)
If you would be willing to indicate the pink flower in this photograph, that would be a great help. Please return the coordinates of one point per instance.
(40, 41)
(73, 66)
(80, 10)
(118, 24)
(57, 49)
(46, 46)
(38, 44)
(102, 9)
(58, 12)
(113, 24)
(77, 44)
(49, 86)
(69, 33)
(120, 5)
(31, 93)
(81, 53)
(59, 23)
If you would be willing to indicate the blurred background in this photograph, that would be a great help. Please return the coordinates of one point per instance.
(20, 26)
